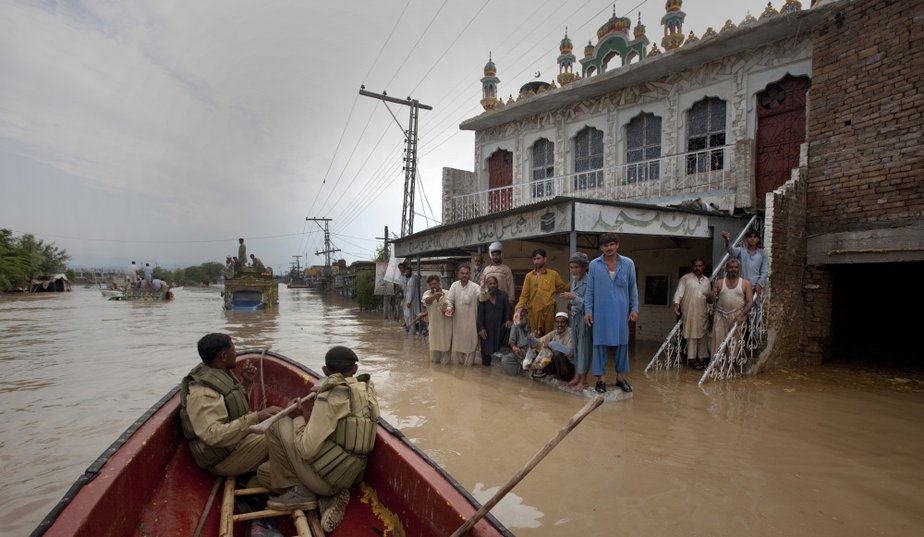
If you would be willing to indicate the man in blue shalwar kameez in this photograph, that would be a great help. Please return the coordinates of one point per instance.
(610, 302)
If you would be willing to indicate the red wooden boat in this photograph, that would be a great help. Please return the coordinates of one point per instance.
(146, 483)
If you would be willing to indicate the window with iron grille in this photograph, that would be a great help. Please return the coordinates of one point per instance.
(706, 131)
(588, 159)
(643, 148)
(543, 168)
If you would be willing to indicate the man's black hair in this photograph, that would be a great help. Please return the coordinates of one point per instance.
(539, 251)
(212, 344)
(340, 359)
(607, 238)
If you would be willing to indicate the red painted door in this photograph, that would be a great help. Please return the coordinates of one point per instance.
(780, 131)
(500, 181)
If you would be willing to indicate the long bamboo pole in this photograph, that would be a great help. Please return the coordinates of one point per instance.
(572, 423)
(260, 428)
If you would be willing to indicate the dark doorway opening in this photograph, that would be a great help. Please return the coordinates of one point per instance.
(876, 315)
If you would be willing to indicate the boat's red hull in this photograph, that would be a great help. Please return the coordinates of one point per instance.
(148, 485)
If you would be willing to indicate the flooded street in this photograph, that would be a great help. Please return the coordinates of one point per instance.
(822, 451)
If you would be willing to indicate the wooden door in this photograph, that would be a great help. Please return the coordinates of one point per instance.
(780, 131)
(500, 181)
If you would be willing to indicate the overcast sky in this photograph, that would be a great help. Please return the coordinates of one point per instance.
(160, 131)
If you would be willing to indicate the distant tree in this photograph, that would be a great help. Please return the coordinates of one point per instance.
(212, 271)
(380, 254)
(12, 265)
(365, 291)
(26, 258)
(194, 276)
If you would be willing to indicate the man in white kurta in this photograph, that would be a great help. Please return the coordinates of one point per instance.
(411, 287)
(440, 332)
(691, 301)
(499, 270)
(462, 306)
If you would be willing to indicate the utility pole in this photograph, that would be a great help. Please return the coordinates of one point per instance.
(327, 249)
(410, 156)
(386, 298)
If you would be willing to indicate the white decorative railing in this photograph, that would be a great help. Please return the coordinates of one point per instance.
(699, 171)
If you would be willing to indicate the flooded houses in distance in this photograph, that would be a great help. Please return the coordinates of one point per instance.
(804, 122)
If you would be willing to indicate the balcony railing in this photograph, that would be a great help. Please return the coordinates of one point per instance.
(698, 171)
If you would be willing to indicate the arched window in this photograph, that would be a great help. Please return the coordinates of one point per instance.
(607, 59)
(643, 148)
(588, 159)
(543, 168)
(706, 131)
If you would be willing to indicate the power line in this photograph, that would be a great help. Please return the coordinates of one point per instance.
(137, 241)
(356, 98)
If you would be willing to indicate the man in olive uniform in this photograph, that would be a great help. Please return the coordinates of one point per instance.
(214, 411)
(319, 455)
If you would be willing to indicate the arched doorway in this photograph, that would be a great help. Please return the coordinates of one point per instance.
(500, 180)
(780, 131)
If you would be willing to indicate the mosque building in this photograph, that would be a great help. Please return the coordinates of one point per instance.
(670, 145)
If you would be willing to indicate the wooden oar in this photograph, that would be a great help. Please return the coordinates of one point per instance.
(572, 423)
(261, 427)
(208, 506)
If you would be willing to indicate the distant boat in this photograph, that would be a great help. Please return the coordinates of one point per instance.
(136, 294)
(250, 290)
(147, 483)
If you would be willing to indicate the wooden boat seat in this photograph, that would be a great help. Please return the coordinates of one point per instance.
(307, 525)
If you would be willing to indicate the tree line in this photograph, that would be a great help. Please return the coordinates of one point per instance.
(204, 274)
(25, 258)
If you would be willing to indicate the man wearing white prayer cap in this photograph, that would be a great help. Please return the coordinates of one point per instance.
(499, 270)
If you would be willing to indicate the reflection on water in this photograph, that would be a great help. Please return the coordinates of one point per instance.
(815, 451)
(257, 329)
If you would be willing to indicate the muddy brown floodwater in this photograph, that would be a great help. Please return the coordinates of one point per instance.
(813, 451)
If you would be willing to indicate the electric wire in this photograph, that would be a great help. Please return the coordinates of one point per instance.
(413, 48)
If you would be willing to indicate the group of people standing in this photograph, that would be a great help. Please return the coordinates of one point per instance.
(732, 298)
(237, 263)
(602, 296)
(146, 279)
(480, 311)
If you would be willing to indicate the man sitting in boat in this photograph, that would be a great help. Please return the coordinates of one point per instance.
(318, 460)
(214, 411)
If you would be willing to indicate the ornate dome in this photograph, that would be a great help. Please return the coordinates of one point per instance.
(673, 5)
(615, 24)
(639, 27)
(791, 6)
(768, 12)
(589, 50)
(489, 68)
(566, 46)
